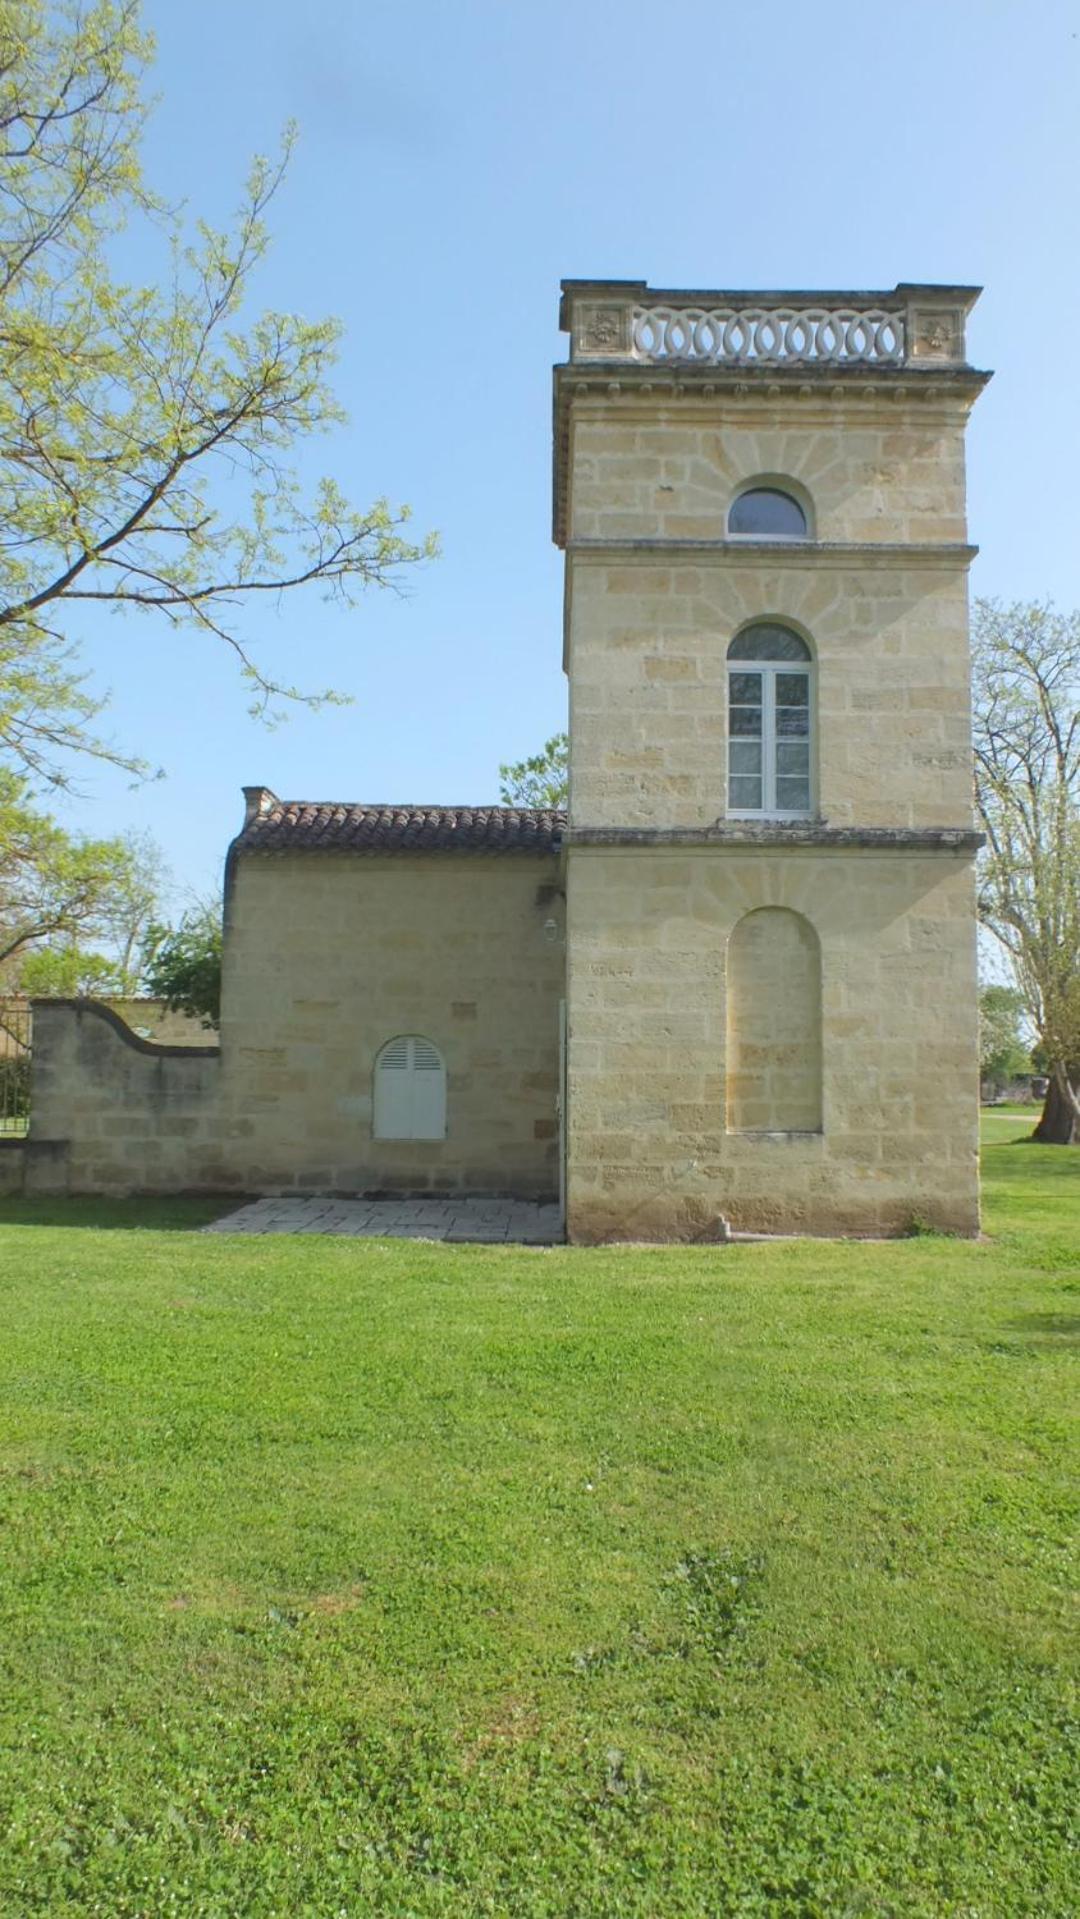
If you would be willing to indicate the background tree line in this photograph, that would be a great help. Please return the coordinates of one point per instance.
(1026, 704)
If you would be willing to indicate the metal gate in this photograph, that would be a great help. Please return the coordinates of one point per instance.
(15, 1048)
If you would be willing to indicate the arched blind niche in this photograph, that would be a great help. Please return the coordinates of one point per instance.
(773, 1024)
(410, 1090)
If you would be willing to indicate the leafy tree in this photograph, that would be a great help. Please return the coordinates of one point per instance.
(70, 972)
(133, 907)
(1003, 1057)
(1027, 784)
(57, 888)
(540, 781)
(131, 417)
(183, 965)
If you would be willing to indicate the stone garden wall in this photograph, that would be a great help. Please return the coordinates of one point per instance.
(112, 1113)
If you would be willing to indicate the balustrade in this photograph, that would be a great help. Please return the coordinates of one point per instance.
(627, 321)
(773, 336)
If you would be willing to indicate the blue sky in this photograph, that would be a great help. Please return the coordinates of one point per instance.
(455, 162)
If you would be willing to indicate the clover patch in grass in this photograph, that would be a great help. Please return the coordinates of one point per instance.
(719, 1594)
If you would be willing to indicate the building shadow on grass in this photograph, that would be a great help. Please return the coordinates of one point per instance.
(182, 1213)
(1049, 1328)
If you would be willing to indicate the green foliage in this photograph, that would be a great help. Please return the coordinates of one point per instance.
(14, 1068)
(70, 972)
(182, 965)
(62, 890)
(388, 1578)
(1003, 1057)
(1027, 784)
(540, 781)
(145, 431)
(14, 1093)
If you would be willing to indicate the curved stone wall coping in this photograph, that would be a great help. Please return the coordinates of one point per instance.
(124, 1032)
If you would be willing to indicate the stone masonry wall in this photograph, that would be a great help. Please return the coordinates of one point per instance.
(147, 1018)
(329, 955)
(153, 1020)
(112, 1113)
(773, 988)
(655, 592)
(677, 1108)
(873, 466)
(650, 1155)
(648, 680)
(12, 1166)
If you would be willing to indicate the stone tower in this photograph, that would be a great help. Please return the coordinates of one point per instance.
(771, 993)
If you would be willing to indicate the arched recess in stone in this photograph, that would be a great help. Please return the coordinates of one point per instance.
(773, 1024)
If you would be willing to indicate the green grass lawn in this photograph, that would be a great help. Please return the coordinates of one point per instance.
(360, 1578)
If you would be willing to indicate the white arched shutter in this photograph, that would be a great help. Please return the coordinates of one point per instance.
(410, 1090)
(428, 1091)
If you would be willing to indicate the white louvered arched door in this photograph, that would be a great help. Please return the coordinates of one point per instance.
(410, 1090)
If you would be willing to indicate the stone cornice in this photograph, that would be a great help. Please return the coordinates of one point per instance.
(813, 835)
(963, 293)
(795, 553)
(620, 379)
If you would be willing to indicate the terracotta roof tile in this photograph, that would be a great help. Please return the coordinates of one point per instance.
(329, 825)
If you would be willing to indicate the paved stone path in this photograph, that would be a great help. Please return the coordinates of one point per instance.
(465, 1221)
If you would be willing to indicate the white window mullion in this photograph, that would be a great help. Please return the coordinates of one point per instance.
(768, 740)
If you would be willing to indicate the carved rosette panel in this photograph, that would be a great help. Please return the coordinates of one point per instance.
(937, 333)
(602, 332)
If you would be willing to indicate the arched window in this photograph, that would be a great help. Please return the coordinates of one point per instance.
(767, 513)
(410, 1090)
(773, 1024)
(770, 722)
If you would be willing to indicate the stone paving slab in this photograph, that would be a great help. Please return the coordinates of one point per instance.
(460, 1222)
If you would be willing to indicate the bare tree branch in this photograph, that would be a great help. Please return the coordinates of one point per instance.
(145, 432)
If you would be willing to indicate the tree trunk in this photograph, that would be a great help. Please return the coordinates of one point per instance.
(1058, 1125)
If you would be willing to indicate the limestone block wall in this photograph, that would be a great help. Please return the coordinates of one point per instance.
(12, 1166)
(152, 1019)
(331, 954)
(656, 590)
(651, 1070)
(648, 640)
(147, 1018)
(112, 1113)
(773, 1000)
(874, 467)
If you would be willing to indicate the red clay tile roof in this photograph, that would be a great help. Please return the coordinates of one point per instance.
(318, 825)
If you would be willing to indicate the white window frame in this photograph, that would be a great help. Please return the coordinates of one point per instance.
(768, 810)
(787, 492)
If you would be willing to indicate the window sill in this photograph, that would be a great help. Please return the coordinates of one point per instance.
(409, 1139)
(772, 1138)
(774, 819)
(769, 539)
